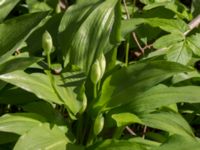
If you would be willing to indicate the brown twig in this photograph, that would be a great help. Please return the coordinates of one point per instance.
(144, 132)
(130, 131)
(193, 24)
(133, 33)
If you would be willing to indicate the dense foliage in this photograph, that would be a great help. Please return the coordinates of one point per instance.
(99, 75)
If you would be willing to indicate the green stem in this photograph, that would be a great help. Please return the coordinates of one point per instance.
(49, 61)
(95, 90)
(127, 51)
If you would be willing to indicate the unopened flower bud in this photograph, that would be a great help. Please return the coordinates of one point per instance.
(47, 43)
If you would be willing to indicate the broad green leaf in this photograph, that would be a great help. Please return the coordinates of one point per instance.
(17, 63)
(15, 95)
(5, 7)
(19, 123)
(46, 110)
(180, 53)
(14, 31)
(163, 96)
(168, 40)
(169, 121)
(123, 119)
(85, 38)
(193, 43)
(117, 145)
(177, 142)
(36, 83)
(43, 136)
(69, 87)
(127, 83)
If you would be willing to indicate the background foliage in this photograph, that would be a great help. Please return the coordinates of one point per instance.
(99, 74)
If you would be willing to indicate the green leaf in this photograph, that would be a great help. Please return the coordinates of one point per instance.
(193, 43)
(163, 96)
(46, 110)
(68, 86)
(127, 83)
(19, 123)
(15, 95)
(13, 32)
(43, 136)
(169, 121)
(169, 25)
(17, 63)
(90, 34)
(130, 25)
(177, 7)
(36, 83)
(116, 145)
(177, 142)
(123, 119)
(5, 7)
(180, 53)
(168, 40)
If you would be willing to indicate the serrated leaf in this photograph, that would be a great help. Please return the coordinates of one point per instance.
(169, 25)
(180, 53)
(42, 137)
(168, 40)
(194, 44)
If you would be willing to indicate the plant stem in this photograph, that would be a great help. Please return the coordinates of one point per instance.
(127, 51)
(49, 61)
(193, 24)
(95, 90)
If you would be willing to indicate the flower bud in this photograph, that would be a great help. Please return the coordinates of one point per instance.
(84, 103)
(102, 62)
(98, 124)
(95, 74)
(47, 43)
